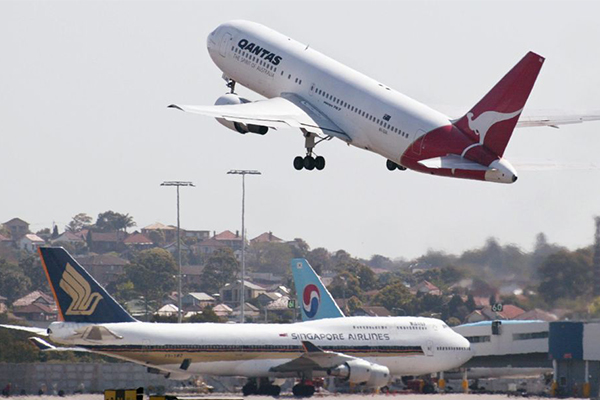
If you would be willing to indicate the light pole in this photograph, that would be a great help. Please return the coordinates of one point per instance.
(243, 173)
(178, 184)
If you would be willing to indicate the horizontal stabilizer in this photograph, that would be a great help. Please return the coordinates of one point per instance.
(452, 161)
(526, 121)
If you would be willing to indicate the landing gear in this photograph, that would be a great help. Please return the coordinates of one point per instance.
(303, 389)
(263, 387)
(231, 85)
(391, 166)
(309, 162)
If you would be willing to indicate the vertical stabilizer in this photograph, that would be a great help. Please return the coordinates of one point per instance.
(314, 299)
(492, 120)
(78, 296)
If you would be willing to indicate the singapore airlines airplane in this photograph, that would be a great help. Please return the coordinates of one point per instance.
(326, 99)
(361, 350)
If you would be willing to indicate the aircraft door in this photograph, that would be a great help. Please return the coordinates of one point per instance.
(429, 348)
(225, 43)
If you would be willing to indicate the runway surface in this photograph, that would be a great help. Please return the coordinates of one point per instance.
(455, 396)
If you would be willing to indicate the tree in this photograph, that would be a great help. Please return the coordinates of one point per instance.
(221, 268)
(207, 315)
(152, 273)
(114, 221)
(78, 222)
(566, 275)
(366, 276)
(344, 285)
(31, 267)
(319, 259)
(470, 303)
(55, 233)
(13, 283)
(270, 257)
(393, 297)
(354, 304)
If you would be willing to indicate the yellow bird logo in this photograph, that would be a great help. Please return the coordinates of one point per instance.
(84, 301)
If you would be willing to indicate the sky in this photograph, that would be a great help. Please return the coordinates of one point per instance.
(84, 124)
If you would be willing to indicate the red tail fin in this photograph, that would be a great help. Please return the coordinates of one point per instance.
(493, 119)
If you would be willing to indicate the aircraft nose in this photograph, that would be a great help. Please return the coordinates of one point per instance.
(514, 178)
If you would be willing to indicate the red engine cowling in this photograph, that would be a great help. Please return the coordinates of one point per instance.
(231, 99)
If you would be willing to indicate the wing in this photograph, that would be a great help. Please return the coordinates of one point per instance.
(554, 121)
(30, 329)
(289, 110)
(313, 358)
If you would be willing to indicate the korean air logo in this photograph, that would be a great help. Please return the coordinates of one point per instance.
(310, 300)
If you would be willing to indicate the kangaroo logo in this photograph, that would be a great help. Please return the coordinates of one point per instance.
(84, 301)
(482, 124)
(310, 300)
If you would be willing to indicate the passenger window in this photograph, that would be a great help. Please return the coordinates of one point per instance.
(290, 76)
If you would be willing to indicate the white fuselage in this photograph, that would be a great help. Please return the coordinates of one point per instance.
(374, 116)
(406, 345)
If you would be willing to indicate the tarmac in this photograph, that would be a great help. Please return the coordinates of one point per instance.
(454, 396)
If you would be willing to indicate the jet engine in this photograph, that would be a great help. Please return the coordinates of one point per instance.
(231, 99)
(361, 371)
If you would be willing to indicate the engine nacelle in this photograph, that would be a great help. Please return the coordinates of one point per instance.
(231, 99)
(380, 376)
(361, 371)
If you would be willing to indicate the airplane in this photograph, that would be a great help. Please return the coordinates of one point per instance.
(326, 99)
(361, 350)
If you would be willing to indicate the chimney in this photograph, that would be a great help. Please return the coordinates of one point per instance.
(237, 234)
(270, 236)
(596, 265)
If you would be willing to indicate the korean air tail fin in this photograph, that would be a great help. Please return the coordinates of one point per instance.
(313, 297)
(78, 296)
(492, 121)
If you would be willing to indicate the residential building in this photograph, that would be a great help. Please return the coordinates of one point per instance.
(3, 304)
(168, 232)
(196, 301)
(230, 239)
(509, 312)
(105, 242)
(17, 227)
(192, 275)
(426, 287)
(105, 268)
(266, 237)
(222, 310)
(138, 241)
(68, 237)
(231, 292)
(35, 306)
(30, 242)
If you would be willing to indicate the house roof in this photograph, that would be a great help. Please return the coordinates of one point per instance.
(279, 304)
(4, 238)
(68, 236)
(265, 238)
(16, 220)
(35, 308)
(246, 284)
(32, 298)
(427, 285)
(192, 269)
(101, 260)
(201, 296)
(537, 314)
(32, 237)
(159, 227)
(227, 235)
(212, 242)
(167, 309)
(222, 308)
(510, 312)
(113, 237)
(137, 238)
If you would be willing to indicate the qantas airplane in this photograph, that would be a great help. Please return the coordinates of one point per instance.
(361, 350)
(326, 99)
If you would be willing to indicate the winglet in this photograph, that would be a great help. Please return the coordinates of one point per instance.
(175, 106)
(311, 348)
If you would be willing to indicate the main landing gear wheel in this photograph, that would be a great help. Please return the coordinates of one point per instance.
(303, 390)
(309, 162)
(391, 166)
(250, 388)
